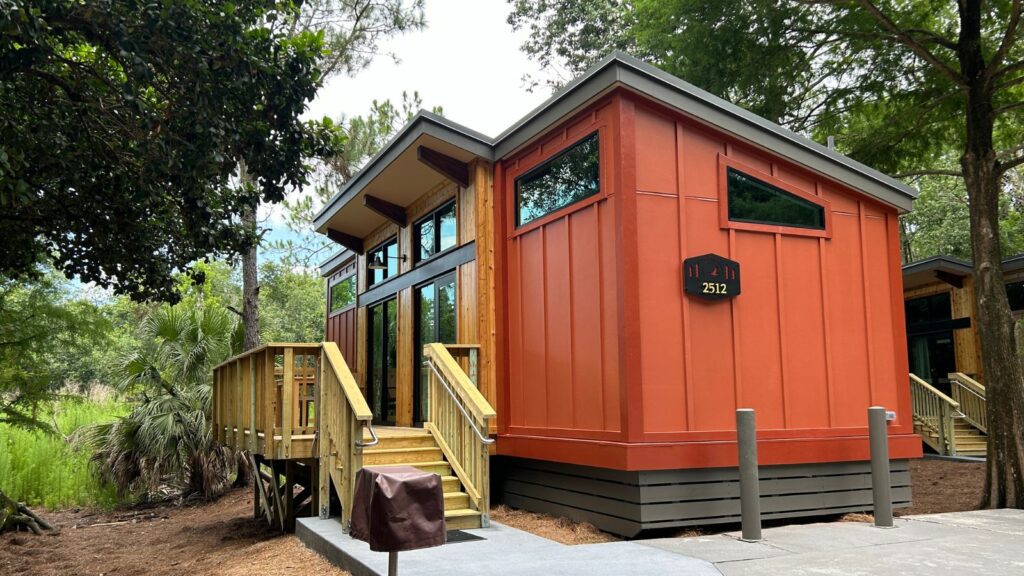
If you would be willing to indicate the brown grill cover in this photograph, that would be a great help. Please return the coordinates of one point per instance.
(398, 508)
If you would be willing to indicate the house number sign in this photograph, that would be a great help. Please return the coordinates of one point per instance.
(711, 277)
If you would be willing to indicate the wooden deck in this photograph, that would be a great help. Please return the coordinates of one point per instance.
(298, 413)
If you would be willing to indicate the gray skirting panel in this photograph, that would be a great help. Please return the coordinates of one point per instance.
(627, 503)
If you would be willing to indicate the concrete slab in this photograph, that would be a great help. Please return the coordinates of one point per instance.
(1006, 520)
(503, 550)
(982, 554)
(717, 548)
(983, 543)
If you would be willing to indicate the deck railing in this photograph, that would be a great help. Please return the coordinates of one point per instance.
(263, 399)
(340, 439)
(971, 395)
(459, 421)
(935, 412)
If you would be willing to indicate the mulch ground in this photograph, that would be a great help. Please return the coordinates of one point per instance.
(944, 486)
(218, 538)
(222, 538)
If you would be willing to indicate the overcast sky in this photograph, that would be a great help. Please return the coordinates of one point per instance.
(467, 60)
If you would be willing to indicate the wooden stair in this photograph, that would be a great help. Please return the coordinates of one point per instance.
(969, 440)
(416, 447)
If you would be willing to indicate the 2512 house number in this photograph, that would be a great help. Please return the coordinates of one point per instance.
(711, 277)
(714, 288)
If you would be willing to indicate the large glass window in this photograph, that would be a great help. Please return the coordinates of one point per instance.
(435, 233)
(435, 322)
(343, 294)
(570, 176)
(1015, 294)
(926, 309)
(382, 360)
(382, 262)
(754, 201)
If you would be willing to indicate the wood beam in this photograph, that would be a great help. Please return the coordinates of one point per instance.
(451, 168)
(347, 240)
(392, 212)
(951, 279)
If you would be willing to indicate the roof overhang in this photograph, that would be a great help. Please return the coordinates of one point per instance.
(618, 69)
(336, 261)
(952, 271)
(397, 175)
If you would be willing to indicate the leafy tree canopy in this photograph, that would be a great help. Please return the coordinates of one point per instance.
(125, 125)
(822, 68)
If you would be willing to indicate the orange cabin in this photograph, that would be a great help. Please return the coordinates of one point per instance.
(635, 260)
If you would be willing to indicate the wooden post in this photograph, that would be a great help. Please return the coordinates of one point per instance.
(324, 448)
(252, 402)
(239, 405)
(287, 405)
(289, 495)
(269, 406)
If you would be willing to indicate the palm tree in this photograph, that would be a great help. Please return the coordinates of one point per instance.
(166, 439)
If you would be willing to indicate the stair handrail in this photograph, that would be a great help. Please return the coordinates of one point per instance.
(341, 431)
(971, 395)
(935, 410)
(458, 404)
(456, 407)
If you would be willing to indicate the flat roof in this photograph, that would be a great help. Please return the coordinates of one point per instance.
(622, 70)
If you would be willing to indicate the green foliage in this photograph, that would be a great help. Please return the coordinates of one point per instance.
(42, 348)
(351, 30)
(292, 304)
(125, 125)
(45, 469)
(938, 224)
(165, 439)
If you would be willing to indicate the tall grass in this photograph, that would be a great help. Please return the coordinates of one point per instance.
(44, 469)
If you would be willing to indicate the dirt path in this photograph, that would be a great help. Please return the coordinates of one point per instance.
(220, 538)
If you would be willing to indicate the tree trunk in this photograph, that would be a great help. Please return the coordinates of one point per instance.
(250, 288)
(1004, 378)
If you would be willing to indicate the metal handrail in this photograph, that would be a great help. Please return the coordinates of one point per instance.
(484, 439)
(963, 386)
(361, 444)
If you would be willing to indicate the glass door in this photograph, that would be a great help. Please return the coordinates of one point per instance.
(435, 322)
(381, 360)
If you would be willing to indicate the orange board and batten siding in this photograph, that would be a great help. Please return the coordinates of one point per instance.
(609, 363)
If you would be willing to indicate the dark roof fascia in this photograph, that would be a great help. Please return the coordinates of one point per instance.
(938, 263)
(422, 123)
(621, 69)
(1013, 263)
(330, 265)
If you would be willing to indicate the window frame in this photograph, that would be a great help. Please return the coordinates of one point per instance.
(726, 162)
(366, 264)
(435, 216)
(520, 227)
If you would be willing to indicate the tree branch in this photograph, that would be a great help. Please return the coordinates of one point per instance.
(910, 42)
(1008, 108)
(930, 172)
(1006, 166)
(1008, 38)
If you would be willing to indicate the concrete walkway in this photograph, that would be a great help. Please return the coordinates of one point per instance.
(988, 542)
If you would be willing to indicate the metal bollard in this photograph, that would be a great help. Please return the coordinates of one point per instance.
(750, 491)
(881, 489)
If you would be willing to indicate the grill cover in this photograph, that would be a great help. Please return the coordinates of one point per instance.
(398, 508)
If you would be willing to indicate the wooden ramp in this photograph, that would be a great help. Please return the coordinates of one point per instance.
(951, 425)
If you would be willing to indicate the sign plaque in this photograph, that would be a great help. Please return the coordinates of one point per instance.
(711, 277)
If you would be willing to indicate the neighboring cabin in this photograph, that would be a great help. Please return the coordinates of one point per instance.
(634, 260)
